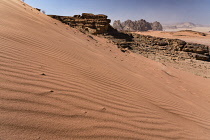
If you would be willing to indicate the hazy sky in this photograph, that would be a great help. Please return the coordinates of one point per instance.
(164, 11)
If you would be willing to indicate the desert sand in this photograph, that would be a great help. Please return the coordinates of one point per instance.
(187, 36)
(200, 68)
(57, 83)
(198, 29)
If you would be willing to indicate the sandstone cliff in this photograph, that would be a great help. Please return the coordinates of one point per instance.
(94, 24)
(140, 25)
(145, 45)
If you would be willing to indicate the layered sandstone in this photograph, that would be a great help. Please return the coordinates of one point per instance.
(94, 24)
(143, 44)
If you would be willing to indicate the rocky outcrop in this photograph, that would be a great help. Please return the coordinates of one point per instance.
(94, 24)
(38, 9)
(128, 25)
(156, 26)
(140, 25)
(174, 48)
(117, 25)
(145, 45)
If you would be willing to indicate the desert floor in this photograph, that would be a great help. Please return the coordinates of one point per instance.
(198, 29)
(186, 36)
(200, 68)
(57, 83)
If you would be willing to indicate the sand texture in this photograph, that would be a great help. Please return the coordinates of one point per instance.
(57, 83)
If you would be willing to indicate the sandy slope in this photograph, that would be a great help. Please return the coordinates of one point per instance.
(98, 92)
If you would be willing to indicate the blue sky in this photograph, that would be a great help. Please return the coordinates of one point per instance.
(164, 11)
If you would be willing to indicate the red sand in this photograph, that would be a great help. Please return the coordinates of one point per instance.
(90, 90)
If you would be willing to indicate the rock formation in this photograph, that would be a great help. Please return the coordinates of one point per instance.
(146, 45)
(174, 48)
(117, 25)
(156, 26)
(185, 25)
(38, 9)
(140, 25)
(94, 24)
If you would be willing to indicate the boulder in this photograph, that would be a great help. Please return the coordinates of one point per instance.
(202, 57)
(196, 48)
(38, 9)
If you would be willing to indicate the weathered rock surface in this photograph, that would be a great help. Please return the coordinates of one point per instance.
(94, 24)
(117, 25)
(174, 48)
(156, 26)
(140, 25)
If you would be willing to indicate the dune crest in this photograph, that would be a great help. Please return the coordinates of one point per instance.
(58, 83)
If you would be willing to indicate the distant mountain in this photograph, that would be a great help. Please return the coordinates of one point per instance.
(200, 25)
(182, 25)
(185, 25)
(140, 25)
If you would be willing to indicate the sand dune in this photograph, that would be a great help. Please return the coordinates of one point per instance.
(57, 83)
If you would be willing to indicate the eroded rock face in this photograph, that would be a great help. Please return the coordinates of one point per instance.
(175, 49)
(128, 25)
(94, 24)
(143, 25)
(156, 26)
(117, 25)
(140, 25)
